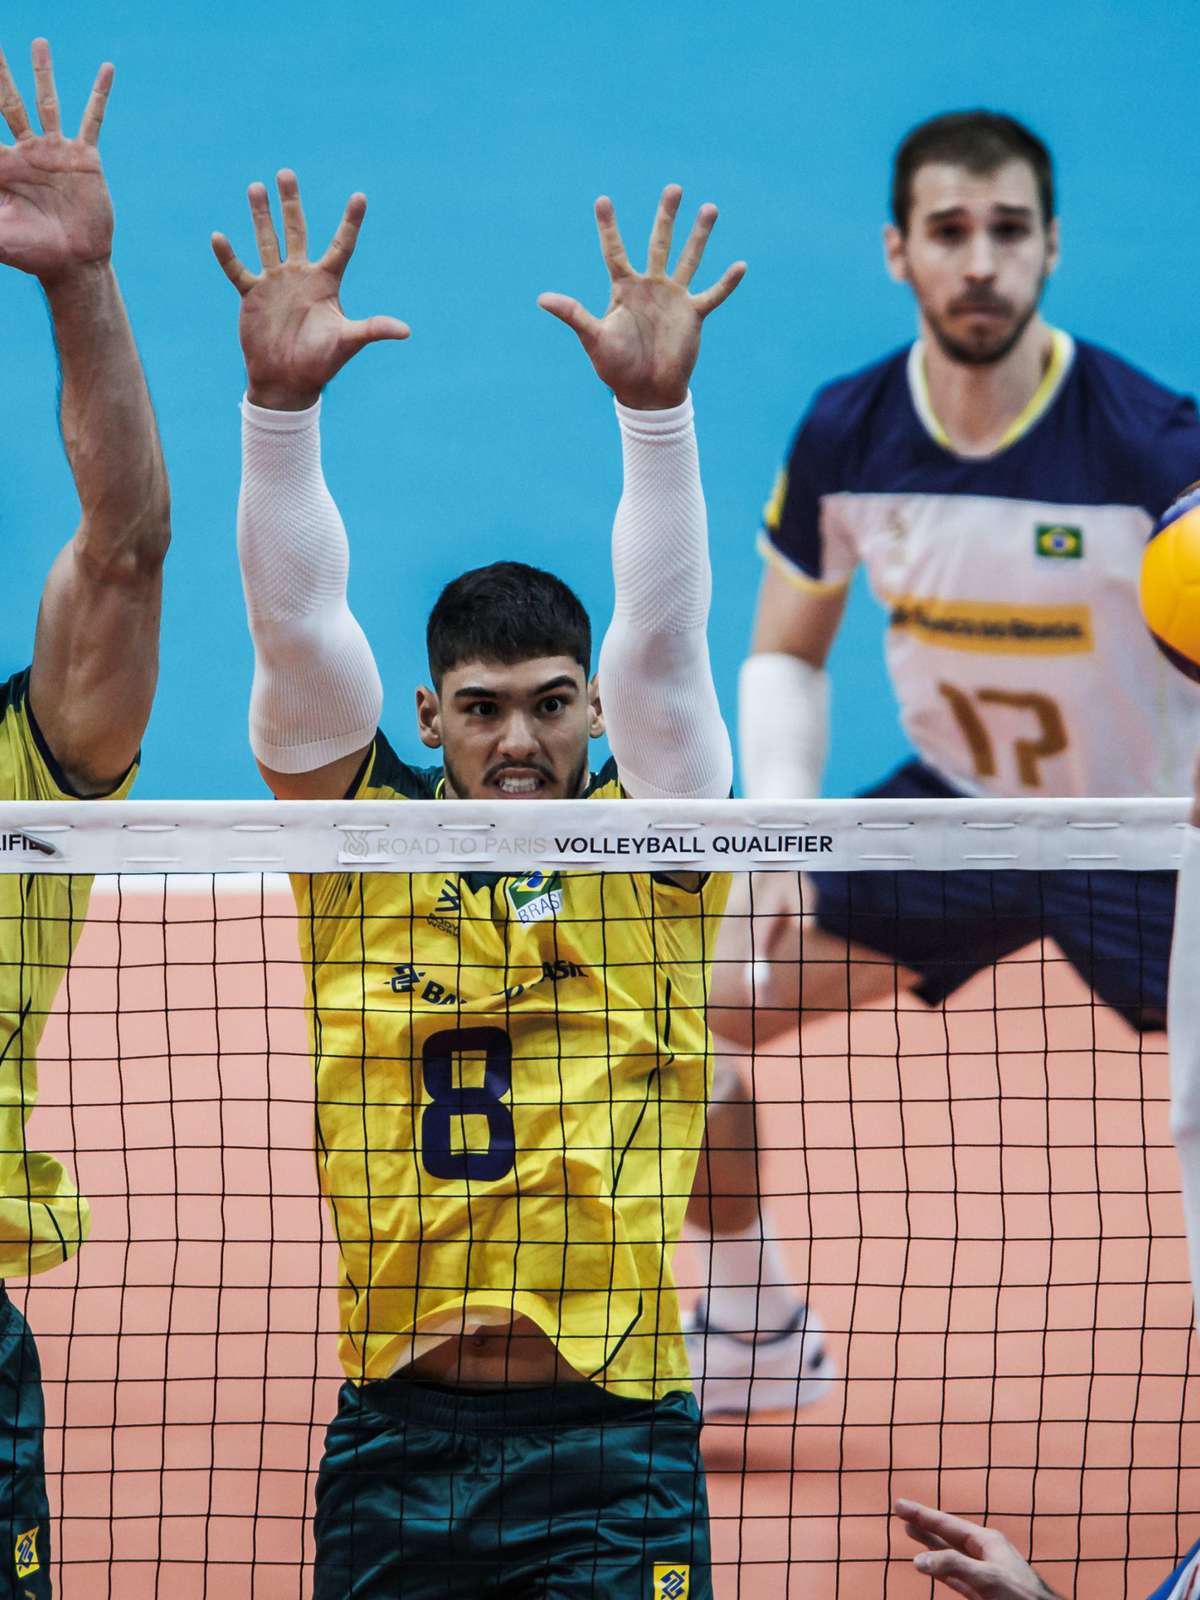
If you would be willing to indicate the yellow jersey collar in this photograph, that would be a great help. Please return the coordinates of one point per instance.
(1062, 353)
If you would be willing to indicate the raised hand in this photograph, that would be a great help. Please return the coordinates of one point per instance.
(972, 1560)
(295, 335)
(646, 344)
(55, 212)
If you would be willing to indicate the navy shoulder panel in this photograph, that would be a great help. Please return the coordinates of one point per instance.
(15, 692)
(607, 774)
(846, 418)
(1150, 434)
(389, 772)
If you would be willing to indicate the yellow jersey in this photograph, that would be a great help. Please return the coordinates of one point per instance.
(43, 1217)
(512, 1072)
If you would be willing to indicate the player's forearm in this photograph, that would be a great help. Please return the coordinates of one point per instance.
(292, 544)
(317, 694)
(661, 570)
(1183, 1038)
(664, 721)
(108, 426)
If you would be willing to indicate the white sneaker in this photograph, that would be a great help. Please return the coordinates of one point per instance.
(775, 1372)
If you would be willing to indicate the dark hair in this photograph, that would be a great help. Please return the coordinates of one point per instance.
(507, 612)
(981, 141)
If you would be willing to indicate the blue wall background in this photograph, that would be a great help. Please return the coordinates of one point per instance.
(480, 133)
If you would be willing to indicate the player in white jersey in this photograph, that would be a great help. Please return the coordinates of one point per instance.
(978, 1561)
(997, 480)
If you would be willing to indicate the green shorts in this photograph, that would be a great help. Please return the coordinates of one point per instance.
(429, 1492)
(24, 1510)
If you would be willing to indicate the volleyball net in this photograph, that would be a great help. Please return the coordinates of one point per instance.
(978, 1193)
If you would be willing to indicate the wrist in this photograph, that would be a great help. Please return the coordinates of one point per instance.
(656, 420)
(78, 281)
(651, 399)
(278, 419)
(280, 396)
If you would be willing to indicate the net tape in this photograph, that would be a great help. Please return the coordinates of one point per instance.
(614, 836)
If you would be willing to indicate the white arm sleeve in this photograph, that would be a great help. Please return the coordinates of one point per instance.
(317, 694)
(1183, 1040)
(656, 685)
(783, 726)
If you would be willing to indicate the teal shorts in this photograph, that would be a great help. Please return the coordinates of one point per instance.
(24, 1510)
(429, 1492)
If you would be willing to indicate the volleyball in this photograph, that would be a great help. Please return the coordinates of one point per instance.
(1169, 587)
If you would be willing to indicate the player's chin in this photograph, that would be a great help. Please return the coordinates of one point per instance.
(986, 336)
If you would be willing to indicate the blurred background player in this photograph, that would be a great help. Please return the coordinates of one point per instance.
(997, 479)
(71, 724)
(978, 1561)
(518, 1414)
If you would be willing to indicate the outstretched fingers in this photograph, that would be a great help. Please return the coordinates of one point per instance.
(938, 1529)
(47, 94)
(264, 228)
(612, 246)
(295, 229)
(692, 252)
(660, 234)
(572, 313)
(238, 274)
(93, 112)
(721, 290)
(12, 107)
(341, 247)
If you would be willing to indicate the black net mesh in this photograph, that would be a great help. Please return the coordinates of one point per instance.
(976, 1195)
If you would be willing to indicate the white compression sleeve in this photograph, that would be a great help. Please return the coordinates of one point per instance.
(783, 726)
(1183, 1038)
(317, 694)
(656, 685)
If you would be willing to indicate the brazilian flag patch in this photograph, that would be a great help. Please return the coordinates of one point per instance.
(25, 1554)
(1057, 541)
(671, 1582)
(536, 897)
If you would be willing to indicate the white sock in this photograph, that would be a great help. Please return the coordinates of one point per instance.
(750, 1289)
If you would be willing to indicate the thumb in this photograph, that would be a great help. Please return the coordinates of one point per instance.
(572, 313)
(372, 329)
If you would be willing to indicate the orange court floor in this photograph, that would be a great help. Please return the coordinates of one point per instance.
(980, 1201)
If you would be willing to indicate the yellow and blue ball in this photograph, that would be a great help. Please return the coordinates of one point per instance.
(1169, 587)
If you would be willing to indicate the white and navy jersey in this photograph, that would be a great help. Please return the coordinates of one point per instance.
(1015, 645)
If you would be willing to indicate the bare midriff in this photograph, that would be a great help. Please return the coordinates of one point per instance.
(517, 1352)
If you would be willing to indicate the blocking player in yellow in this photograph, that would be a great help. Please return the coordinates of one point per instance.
(71, 723)
(511, 1070)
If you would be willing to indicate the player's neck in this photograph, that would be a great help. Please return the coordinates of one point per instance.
(977, 405)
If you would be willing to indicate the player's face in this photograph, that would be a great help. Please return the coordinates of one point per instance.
(977, 255)
(512, 732)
